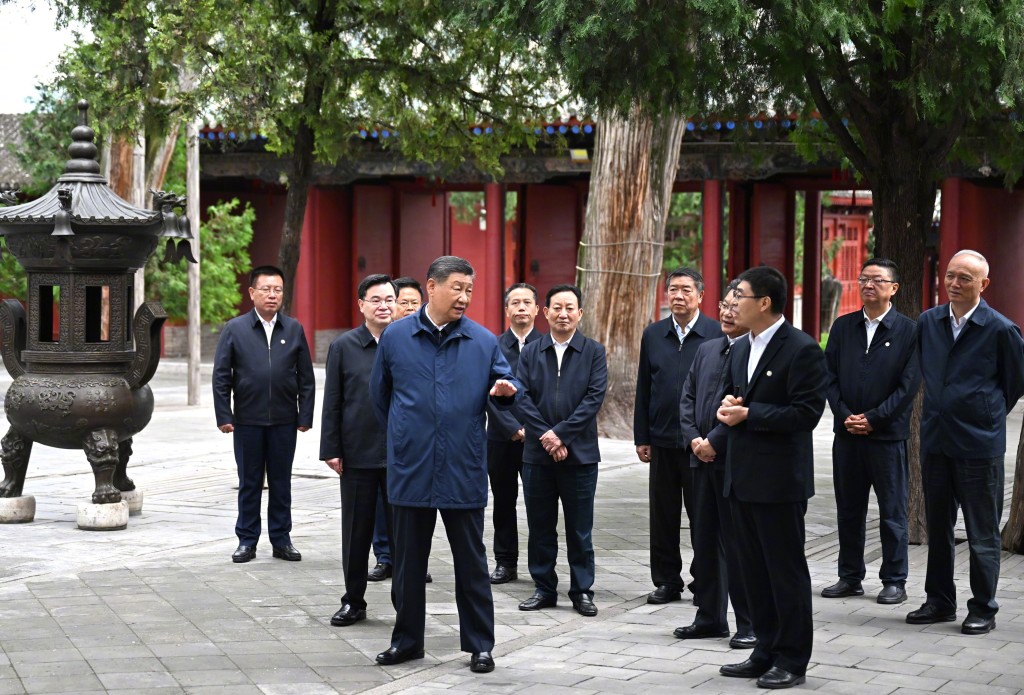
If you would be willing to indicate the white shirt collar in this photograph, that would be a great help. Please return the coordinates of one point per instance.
(879, 319)
(969, 314)
(764, 336)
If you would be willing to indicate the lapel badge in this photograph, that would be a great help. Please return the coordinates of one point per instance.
(769, 372)
(887, 343)
(282, 341)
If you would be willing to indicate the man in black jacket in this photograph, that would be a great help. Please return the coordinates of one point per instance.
(666, 353)
(715, 557)
(505, 435)
(352, 442)
(564, 377)
(263, 361)
(779, 377)
(873, 376)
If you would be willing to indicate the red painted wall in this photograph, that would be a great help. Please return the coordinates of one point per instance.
(990, 220)
(372, 232)
(771, 232)
(551, 235)
(421, 228)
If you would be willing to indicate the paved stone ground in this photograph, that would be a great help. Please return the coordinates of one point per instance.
(159, 607)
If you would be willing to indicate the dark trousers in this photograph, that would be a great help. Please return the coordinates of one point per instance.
(359, 489)
(381, 542)
(412, 530)
(670, 493)
(504, 466)
(264, 451)
(976, 486)
(777, 581)
(716, 559)
(543, 486)
(858, 464)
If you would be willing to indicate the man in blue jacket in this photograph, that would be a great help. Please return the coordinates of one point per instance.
(505, 435)
(666, 353)
(564, 377)
(263, 361)
(429, 386)
(873, 377)
(972, 358)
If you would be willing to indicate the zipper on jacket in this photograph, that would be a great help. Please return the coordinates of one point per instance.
(270, 381)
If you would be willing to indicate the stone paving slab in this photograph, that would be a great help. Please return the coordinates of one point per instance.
(159, 607)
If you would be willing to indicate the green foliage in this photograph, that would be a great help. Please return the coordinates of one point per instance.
(12, 275)
(683, 232)
(224, 256)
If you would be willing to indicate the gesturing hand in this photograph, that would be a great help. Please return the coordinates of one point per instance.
(503, 389)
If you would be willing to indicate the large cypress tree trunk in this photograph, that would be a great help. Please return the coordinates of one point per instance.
(1013, 532)
(635, 163)
(904, 203)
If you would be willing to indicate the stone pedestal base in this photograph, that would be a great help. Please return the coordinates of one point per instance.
(17, 510)
(134, 500)
(103, 517)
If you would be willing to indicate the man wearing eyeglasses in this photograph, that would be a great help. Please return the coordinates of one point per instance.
(873, 376)
(408, 300)
(666, 353)
(263, 361)
(778, 378)
(352, 441)
(714, 551)
(972, 358)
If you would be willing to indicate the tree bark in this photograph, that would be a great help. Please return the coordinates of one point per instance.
(156, 172)
(1013, 532)
(904, 203)
(635, 163)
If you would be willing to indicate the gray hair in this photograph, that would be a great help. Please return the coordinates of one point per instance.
(444, 266)
(973, 254)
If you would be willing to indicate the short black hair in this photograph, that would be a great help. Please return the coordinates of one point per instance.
(766, 281)
(521, 286)
(372, 281)
(261, 270)
(894, 270)
(733, 286)
(406, 281)
(444, 266)
(564, 288)
(698, 279)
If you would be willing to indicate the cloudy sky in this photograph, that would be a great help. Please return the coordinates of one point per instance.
(29, 46)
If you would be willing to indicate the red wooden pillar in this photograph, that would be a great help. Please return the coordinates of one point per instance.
(711, 253)
(304, 283)
(949, 239)
(494, 203)
(739, 229)
(811, 314)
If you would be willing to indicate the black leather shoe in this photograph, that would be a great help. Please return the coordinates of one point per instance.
(379, 573)
(584, 605)
(699, 632)
(841, 589)
(348, 615)
(928, 614)
(503, 574)
(745, 669)
(287, 552)
(739, 641)
(538, 601)
(664, 594)
(427, 579)
(481, 662)
(892, 593)
(394, 656)
(777, 679)
(243, 553)
(975, 625)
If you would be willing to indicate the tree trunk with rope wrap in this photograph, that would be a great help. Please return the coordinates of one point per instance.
(620, 256)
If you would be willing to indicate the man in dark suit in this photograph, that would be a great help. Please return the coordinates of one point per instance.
(715, 557)
(666, 353)
(505, 435)
(352, 442)
(564, 377)
(873, 377)
(263, 361)
(972, 358)
(430, 384)
(779, 379)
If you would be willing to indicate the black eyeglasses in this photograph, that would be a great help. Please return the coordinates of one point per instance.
(873, 281)
(737, 295)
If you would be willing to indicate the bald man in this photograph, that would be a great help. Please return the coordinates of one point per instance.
(972, 359)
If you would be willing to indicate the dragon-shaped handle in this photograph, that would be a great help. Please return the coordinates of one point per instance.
(12, 326)
(149, 319)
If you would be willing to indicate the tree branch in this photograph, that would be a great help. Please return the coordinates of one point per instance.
(835, 124)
